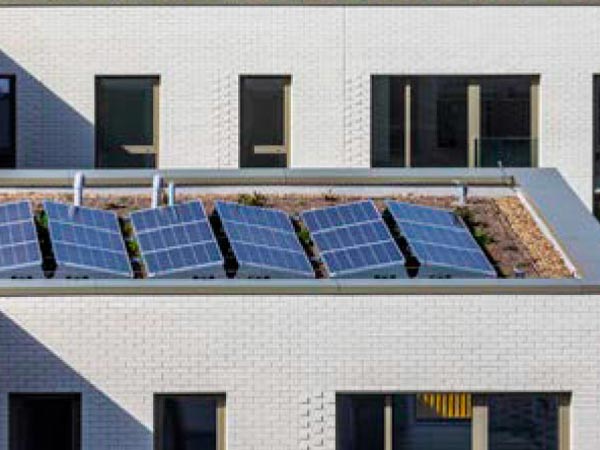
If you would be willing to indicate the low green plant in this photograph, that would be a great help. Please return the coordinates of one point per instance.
(482, 237)
(304, 236)
(133, 247)
(42, 219)
(254, 199)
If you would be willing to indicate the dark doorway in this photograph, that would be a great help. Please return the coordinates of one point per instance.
(45, 421)
(265, 121)
(127, 121)
(7, 122)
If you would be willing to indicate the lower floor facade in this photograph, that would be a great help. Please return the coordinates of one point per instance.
(304, 372)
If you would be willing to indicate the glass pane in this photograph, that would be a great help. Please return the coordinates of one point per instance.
(44, 422)
(262, 120)
(432, 422)
(387, 121)
(7, 123)
(125, 121)
(439, 122)
(523, 422)
(189, 423)
(360, 422)
(506, 122)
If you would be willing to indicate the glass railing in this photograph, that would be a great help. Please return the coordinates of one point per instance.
(507, 152)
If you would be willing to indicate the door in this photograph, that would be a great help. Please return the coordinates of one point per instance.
(45, 421)
(265, 121)
(127, 122)
(7, 122)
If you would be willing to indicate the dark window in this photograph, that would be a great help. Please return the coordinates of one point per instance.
(523, 422)
(264, 121)
(506, 122)
(7, 122)
(596, 149)
(188, 422)
(388, 121)
(360, 422)
(126, 121)
(453, 121)
(45, 421)
(432, 422)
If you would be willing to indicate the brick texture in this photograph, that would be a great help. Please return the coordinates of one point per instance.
(280, 361)
(331, 52)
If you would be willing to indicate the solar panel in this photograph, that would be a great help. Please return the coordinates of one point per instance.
(440, 241)
(263, 241)
(353, 241)
(86, 242)
(20, 255)
(178, 242)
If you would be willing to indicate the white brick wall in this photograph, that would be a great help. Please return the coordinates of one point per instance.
(281, 360)
(330, 52)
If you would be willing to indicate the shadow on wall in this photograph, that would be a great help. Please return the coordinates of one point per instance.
(50, 132)
(26, 365)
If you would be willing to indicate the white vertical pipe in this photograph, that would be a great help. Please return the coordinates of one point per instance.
(171, 193)
(78, 182)
(156, 190)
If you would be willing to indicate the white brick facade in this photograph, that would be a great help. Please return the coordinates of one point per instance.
(281, 360)
(199, 52)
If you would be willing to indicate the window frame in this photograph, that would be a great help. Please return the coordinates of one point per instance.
(287, 119)
(221, 412)
(479, 414)
(12, 79)
(157, 81)
(474, 114)
(76, 404)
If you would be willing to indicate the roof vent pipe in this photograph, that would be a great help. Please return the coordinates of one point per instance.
(463, 191)
(171, 193)
(156, 190)
(78, 182)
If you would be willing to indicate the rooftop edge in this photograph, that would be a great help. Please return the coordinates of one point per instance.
(571, 224)
(58, 3)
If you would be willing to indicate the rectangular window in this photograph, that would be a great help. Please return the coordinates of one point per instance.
(127, 121)
(45, 421)
(265, 122)
(7, 122)
(596, 149)
(452, 421)
(454, 121)
(189, 422)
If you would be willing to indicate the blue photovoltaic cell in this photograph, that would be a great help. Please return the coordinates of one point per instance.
(438, 237)
(86, 239)
(353, 238)
(19, 244)
(263, 241)
(177, 239)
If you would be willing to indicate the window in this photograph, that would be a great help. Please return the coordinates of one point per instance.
(596, 149)
(7, 122)
(45, 421)
(452, 421)
(127, 121)
(189, 422)
(265, 109)
(454, 121)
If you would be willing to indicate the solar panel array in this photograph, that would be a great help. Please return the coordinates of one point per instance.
(178, 242)
(353, 241)
(20, 255)
(86, 242)
(440, 241)
(263, 241)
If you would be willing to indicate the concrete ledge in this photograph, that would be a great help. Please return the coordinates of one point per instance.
(299, 3)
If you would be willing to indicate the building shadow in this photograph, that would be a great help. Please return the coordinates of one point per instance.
(27, 365)
(50, 133)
